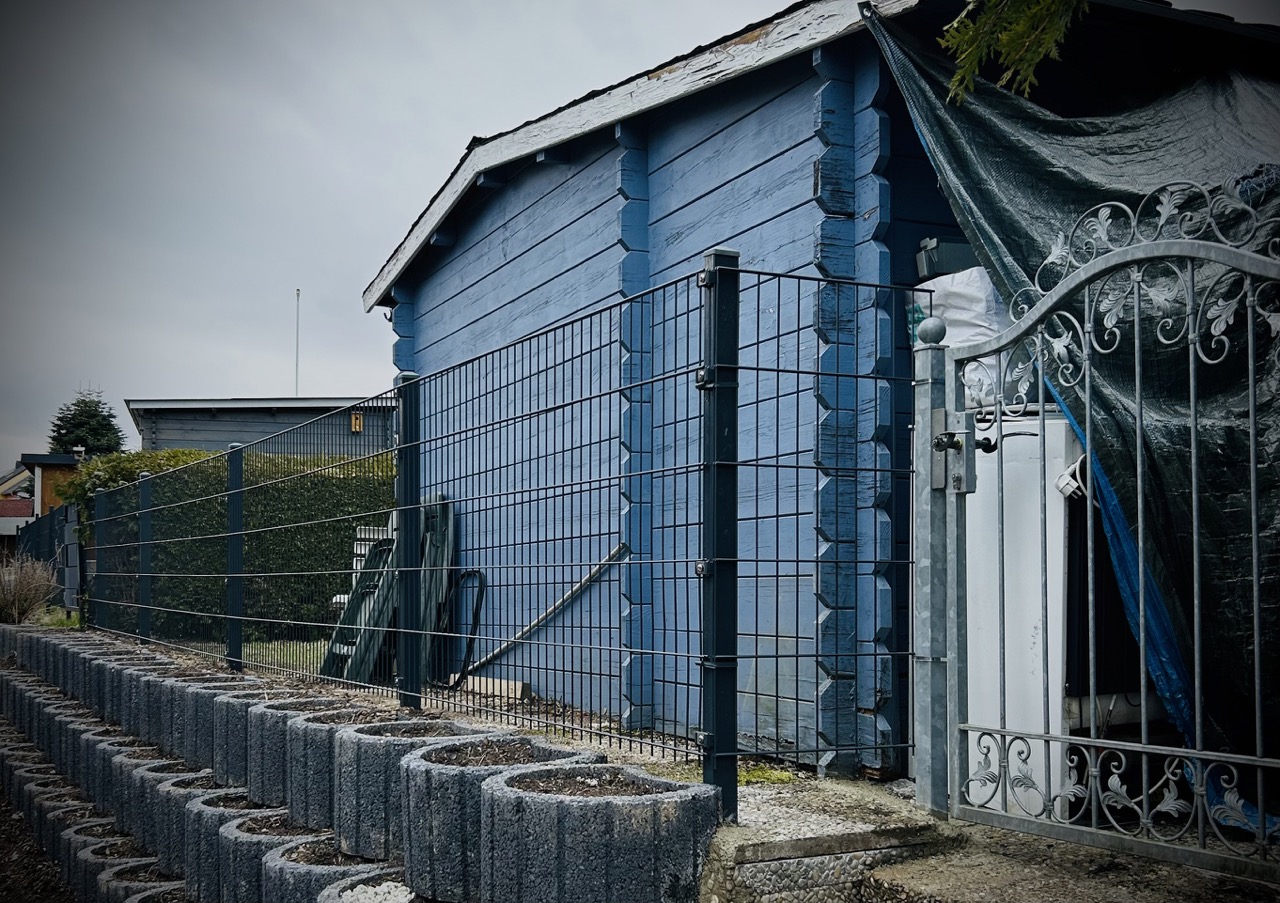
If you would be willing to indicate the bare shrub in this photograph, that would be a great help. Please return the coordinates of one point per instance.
(26, 586)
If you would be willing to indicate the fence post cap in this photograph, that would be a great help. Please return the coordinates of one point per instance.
(721, 257)
(405, 376)
(932, 330)
(232, 446)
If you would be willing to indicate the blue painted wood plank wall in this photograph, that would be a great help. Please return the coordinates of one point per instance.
(791, 166)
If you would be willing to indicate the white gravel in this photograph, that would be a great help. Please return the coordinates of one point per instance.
(385, 892)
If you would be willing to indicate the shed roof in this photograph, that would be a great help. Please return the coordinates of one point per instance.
(796, 29)
(139, 406)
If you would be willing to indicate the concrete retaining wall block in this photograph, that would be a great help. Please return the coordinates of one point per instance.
(231, 731)
(241, 850)
(287, 881)
(123, 801)
(150, 823)
(96, 858)
(55, 817)
(440, 807)
(196, 741)
(75, 838)
(140, 713)
(335, 891)
(34, 791)
(367, 782)
(546, 847)
(120, 882)
(205, 815)
(268, 753)
(167, 833)
(309, 742)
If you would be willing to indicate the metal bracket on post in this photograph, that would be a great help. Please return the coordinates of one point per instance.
(144, 556)
(718, 569)
(408, 542)
(235, 557)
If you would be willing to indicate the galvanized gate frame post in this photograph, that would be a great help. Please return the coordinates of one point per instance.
(944, 474)
(408, 540)
(929, 618)
(718, 381)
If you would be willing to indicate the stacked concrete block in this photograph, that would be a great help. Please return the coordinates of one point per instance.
(96, 858)
(230, 744)
(76, 838)
(98, 774)
(265, 734)
(643, 843)
(287, 876)
(119, 782)
(128, 879)
(33, 791)
(169, 817)
(204, 816)
(367, 781)
(195, 741)
(309, 783)
(57, 816)
(242, 845)
(387, 881)
(152, 823)
(26, 774)
(140, 712)
(439, 797)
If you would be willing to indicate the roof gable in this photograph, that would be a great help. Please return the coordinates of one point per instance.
(795, 30)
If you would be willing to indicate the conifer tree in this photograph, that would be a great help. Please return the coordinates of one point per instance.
(88, 421)
(1018, 34)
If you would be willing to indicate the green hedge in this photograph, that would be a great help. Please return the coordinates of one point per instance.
(301, 514)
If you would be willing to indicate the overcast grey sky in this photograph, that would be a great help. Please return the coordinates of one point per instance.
(172, 170)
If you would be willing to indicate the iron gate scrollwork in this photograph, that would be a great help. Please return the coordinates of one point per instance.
(1132, 411)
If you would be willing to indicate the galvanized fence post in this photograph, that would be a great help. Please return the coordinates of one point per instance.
(101, 620)
(408, 541)
(235, 557)
(930, 727)
(718, 380)
(144, 556)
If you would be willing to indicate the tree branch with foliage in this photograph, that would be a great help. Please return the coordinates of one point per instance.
(1018, 34)
(86, 421)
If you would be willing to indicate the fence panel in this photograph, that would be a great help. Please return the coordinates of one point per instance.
(630, 526)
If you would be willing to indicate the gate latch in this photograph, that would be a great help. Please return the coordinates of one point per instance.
(952, 464)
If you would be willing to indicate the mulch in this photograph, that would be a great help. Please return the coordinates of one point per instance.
(26, 873)
(599, 784)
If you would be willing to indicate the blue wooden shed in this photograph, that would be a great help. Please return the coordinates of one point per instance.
(787, 142)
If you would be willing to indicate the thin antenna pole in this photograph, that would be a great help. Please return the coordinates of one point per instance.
(297, 328)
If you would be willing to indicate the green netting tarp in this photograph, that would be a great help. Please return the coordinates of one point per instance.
(1019, 179)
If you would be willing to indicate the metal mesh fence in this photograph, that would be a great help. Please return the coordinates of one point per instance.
(530, 543)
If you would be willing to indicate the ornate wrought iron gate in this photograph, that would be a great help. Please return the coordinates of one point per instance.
(1097, 535)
